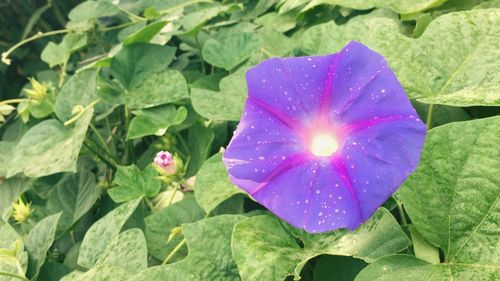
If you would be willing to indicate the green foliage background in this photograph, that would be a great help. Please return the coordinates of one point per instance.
(94, 89)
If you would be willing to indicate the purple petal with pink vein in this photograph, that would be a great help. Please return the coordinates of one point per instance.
(325, 140)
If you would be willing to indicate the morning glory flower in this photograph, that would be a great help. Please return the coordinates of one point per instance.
(324, 140)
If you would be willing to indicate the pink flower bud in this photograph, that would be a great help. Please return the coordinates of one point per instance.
(165, 161)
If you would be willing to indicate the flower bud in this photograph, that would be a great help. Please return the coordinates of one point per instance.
(21, 211)
(37, 93)
(176, 231)
(165, 161)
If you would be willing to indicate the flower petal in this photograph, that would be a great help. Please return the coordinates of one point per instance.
(312, 196)
(379, 158)
(261, 144)
(365, 88)
(294, 86)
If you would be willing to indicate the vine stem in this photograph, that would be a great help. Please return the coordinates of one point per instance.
(402, 213)
(99, 146)
(104, 29)
(80, 114)
(106, 161)
(174, 251)
(128, 143)
(100, 138)
(200, 53)
(150, 205)
(62, 75)
(172, 197)
(131, 15)
(5, 55)
(13, 275)
(428, 122)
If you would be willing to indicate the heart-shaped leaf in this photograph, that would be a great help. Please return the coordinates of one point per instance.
(452, 198)
(102, 233)
(266, 248)
(49, 147)
(212, 184)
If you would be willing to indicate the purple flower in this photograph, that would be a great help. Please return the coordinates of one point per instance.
(324, 141)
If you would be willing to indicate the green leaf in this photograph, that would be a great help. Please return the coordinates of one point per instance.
(452, 197)
(11, 189)
(58, 54)
(128, 251)
(467, 74)
(423, 250)
(160, 224)
(281, 23)
(399, 6)
(265, 248)
(158, 88)
(49, 147)
(99, 273)
(231, 51)
(145, 34)
(471, 76)
(200, 141)
(488, 5)
(193, 21)
(134, 183)
(102, 233)
(52, 270)
(209, 257)
(394, 267)
(441, 114)
(6, 150)
(212, 185)
(39, 241)
(134, 63)
(80, 89)
(155, 120)
(143, 79)
(226, 104)
(337, 268)
(11, 252)
(74, 195)
(329, 38)
(91, 10)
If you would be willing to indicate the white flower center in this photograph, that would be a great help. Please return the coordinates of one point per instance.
(324, 145)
